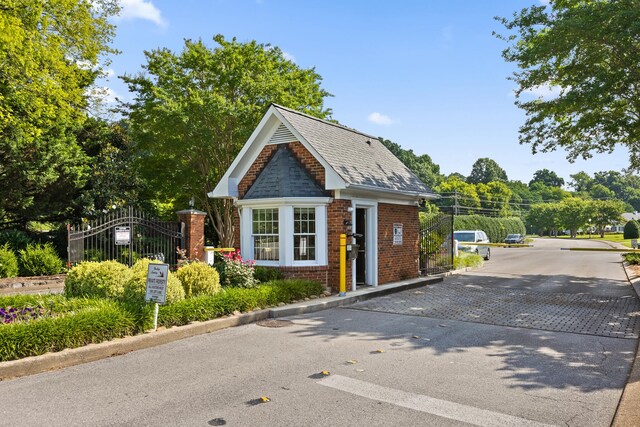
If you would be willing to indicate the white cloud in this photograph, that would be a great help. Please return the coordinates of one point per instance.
(288, 56)
(141, 9)
(544, 2)
(380, 119)
(102, 95)
(544, 91)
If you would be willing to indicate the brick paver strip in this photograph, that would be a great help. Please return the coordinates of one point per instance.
(617, 317)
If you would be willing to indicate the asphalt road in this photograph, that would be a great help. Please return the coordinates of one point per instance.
(393, 364)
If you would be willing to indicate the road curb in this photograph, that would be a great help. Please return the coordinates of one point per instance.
(93, 352)
(628, 411)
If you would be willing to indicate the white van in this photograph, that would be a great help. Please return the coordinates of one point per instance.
(468, 242)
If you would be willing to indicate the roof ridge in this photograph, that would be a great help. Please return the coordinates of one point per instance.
(324, 121)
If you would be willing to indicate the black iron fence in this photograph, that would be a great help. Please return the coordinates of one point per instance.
(436, 242)
(125, 235)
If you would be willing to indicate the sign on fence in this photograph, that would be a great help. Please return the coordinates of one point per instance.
(123, 235)
(157, 276)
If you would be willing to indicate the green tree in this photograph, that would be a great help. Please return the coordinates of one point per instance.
(581, 181)
(599, 191)
(459, 194)
(605, 212)
(495, 197)
(589, 51)
(486, 170)
(544, 193)
(422, 165)
(51, 54)
(574, 214)
(544, 217)
(194, 110)
(548, 178)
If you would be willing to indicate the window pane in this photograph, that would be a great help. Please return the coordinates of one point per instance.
(304, 248)
(265, 235)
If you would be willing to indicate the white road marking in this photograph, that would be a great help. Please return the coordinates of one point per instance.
(430, 405)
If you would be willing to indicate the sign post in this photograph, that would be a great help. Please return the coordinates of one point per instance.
(157, 276)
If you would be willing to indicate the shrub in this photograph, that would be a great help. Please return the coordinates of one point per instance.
(8, 262)
(135, 287)
(39, 260)
(99, 320)
(631, 230)
(632, 258)
(199, 278)
(236, 272)
(496, 228)
(16, 239)
(267, 274)
(104, 279)
(236, 299)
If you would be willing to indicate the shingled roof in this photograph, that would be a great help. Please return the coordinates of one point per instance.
(361, 160)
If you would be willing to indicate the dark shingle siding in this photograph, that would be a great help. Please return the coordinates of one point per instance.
(284, 176)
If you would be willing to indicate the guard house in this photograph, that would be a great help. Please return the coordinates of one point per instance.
(299, 182)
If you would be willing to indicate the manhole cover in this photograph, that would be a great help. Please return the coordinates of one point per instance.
(274, 323)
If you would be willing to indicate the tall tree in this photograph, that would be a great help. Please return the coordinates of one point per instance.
(459, 194)
(194, 110)
(495, 197)
(486, 170)
(588, 50)
(581, 181)
(422, 165)
(547, 177)
(51, 54)
(574, 214)
(605, 212)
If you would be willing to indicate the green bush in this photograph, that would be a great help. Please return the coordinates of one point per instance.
(100, 320)
(136, 285)
(631, 230)
(199, 278)
(236, 299)
(496, 228)
(267, 274)
(8, 262)
(104, 279)
(16, 239)
(39, 260)
(467, 259)
(632, 258)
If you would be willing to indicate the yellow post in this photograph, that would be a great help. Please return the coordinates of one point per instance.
(343, 265)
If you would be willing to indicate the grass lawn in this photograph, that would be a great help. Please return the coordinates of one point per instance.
(614, 237)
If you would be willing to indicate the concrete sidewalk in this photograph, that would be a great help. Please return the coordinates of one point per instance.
(628, 412)
(93, 352)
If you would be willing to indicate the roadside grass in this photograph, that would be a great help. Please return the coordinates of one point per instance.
(467, 259)
(613, 237)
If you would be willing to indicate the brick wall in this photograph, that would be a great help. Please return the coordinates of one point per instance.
(337, 212)
(317, 273)
(401, 261)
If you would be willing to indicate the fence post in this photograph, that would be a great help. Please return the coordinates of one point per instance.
(194, 232)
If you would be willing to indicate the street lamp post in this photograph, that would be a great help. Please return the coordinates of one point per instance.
(589, 227)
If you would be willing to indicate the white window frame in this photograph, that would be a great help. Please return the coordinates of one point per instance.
(253, 236)
(285, 208)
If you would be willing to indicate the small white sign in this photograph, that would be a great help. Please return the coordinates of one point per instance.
(157, 276)
(397, 234)
(123, 235)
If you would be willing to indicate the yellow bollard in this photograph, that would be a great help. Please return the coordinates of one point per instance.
(343, 265)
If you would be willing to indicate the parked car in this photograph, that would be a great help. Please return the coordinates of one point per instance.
(468, 239)
(514, 239)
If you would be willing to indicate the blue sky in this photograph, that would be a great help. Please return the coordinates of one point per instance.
(427, 74)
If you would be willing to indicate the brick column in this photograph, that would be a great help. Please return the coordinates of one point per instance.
(194, 232)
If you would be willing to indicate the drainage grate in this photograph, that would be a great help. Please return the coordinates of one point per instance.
(274, 323)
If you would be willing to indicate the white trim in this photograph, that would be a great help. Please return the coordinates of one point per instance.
(371, 239)
(285, 208)
(282, 201)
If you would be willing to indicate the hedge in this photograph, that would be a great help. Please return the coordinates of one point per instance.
(496, 228)
(236, 299)
(101, 320)
(74, 322)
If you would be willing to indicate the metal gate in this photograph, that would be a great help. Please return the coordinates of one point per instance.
(436, 241)
(125, 235)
